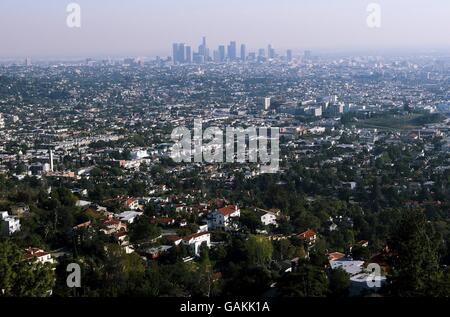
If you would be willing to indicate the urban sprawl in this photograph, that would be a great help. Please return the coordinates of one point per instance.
(358, 206)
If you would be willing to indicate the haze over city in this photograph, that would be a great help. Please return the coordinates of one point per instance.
(148, 28)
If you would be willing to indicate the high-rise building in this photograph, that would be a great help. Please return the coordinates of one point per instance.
(178, 53)
(289, 56)
(243, 53)
(232, 54)
(270, 52)
(181, 53)
(175, 53)
(222, 54)
(28, 62)
(188, 54)
(203, 50)
(204, 45)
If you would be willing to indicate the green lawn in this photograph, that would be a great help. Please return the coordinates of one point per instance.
(394, 122)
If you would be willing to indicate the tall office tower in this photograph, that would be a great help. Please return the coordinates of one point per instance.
(243, 53)
(203, 49)
(267, 103)
(181, 53)
(270, 52)
(28, 62)
(188, 54)
(232, 54)
(289, 56)
(175, 53)
(222, 54)
(2, 121)
(204, 45)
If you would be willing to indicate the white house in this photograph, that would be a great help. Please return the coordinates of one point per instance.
(38, 255)
(132, 204)
(196, 240)
(8, 224)
(129, 216)
(309, 236)
(203, 228)
(138, 154)
(221, 218)
(267, 217)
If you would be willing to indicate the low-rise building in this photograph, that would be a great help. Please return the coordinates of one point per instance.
(129, 216)
(8, 224)
(267, 217)
(221, 218)
(196, 240)
(38, 255)
(309, 236)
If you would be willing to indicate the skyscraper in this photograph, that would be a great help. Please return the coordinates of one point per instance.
(175, 53)
(203, 49)
(243, 53)
(188, 54)
(222, 54)
(232, 54)
(181, 53)
(178, 53)
(270, 52)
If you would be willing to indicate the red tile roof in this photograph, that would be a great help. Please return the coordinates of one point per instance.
(334, 256)
(307, 234)
(34, 253)
(228, 210)
(195, 235)
(173, 238)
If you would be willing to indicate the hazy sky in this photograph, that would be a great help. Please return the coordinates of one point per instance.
(37, 28)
